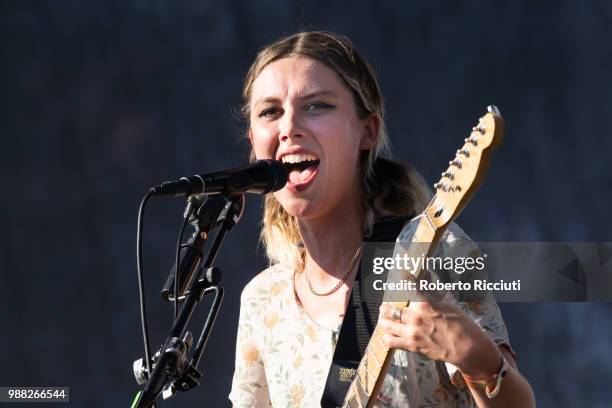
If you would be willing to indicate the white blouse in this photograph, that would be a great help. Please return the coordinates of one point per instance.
(283, 356)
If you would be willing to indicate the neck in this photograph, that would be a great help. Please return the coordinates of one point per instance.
(331, 241)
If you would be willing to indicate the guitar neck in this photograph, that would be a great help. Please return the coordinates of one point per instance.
(375, 362)
(457, 185)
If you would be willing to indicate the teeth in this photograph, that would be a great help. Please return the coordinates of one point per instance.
(297, 158)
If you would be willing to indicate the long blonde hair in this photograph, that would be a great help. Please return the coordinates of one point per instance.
(389, 187)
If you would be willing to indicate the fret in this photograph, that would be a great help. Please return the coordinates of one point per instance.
(377, 337)
(373, 347)
(370, 352)
(353, 396)
(363, 385)
(424, 232)
(366, 377)
(356, 393)
(361, 393)
(354, 401)
(371, 377)
(361, 375)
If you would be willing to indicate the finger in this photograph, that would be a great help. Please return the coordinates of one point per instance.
(408, 343)
(388, 311)
(408, 333)
(432, 310)
(392, 327)
(421, 306)
(394, 342)
(420, 311)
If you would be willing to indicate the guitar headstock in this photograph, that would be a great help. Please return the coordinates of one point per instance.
(467, 170)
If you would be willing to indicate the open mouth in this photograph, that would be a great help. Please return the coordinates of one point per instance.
(301, 168)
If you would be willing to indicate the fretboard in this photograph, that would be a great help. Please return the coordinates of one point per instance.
(377, 357)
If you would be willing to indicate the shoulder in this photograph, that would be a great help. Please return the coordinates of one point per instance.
(266, 283)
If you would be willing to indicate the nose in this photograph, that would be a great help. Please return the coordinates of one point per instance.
(290, 126)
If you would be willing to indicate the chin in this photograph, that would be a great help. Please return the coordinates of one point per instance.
(299, 207)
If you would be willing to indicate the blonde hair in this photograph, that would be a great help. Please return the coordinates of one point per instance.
(389, 187)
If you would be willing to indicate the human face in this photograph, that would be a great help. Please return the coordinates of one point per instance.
(302, 112)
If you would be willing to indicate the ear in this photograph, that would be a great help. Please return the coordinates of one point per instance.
(371, 126)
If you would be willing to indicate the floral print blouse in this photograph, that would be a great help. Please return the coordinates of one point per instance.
(283, 356)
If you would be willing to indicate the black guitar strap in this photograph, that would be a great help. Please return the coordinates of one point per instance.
(359, 321)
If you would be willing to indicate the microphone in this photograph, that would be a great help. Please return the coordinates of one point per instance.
(261, 177)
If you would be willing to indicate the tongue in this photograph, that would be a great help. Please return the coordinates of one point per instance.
(300, 176)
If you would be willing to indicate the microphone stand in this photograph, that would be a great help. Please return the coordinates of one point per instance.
(171, 371)
(203, 216)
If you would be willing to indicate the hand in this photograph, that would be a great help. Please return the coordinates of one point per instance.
(441, 331)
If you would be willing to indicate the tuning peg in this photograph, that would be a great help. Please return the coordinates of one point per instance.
(465, 151)
(478, 128)
(455, 162)
(471, 140)
(442, 186)
(493, 109)
(448, 174)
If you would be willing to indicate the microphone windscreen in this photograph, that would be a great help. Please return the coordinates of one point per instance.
(279, 175)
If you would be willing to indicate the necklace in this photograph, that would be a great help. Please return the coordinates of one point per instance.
(340, 282)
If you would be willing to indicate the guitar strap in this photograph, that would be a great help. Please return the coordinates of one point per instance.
(359, 320)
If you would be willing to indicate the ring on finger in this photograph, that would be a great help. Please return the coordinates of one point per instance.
(397, 314)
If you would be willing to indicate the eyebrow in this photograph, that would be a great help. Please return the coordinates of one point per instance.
(314, 94)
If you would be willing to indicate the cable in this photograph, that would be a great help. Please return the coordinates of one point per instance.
(141, 288)
(177, 267)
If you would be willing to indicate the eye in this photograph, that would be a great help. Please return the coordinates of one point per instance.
(318, 106)
(269, 112)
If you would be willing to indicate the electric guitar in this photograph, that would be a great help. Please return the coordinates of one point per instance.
(456, 187)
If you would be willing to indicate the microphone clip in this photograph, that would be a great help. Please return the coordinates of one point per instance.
(181, 375)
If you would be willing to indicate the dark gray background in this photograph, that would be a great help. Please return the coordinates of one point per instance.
(101, 99)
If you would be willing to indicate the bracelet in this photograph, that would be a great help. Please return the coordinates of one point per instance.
(491, 384)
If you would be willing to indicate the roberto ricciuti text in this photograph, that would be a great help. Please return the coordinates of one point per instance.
(422, 285)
